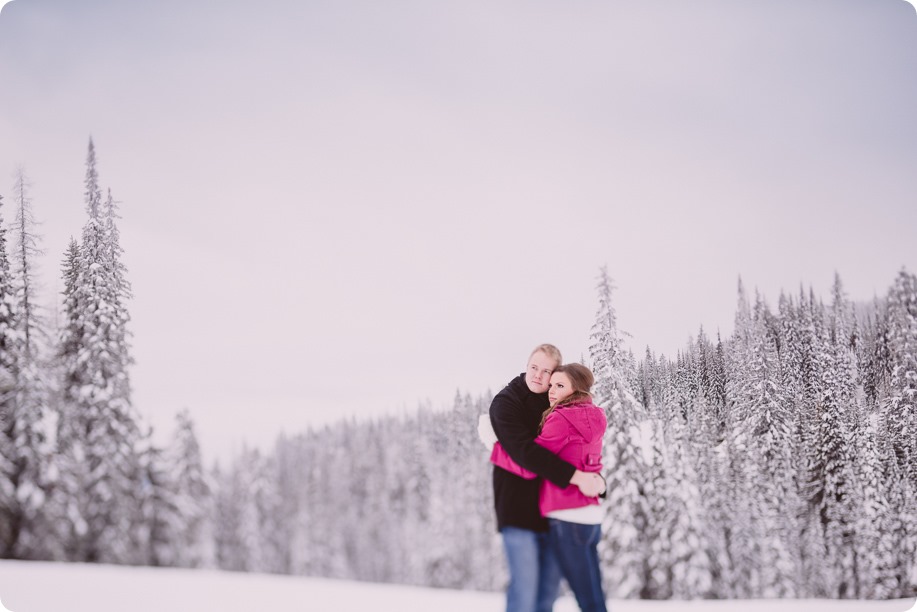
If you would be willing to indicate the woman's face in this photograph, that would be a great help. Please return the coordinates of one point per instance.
(560, 388)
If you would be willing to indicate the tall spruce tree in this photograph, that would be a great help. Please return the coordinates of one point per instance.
(900, 405)
(624, 548)
(154, 514)
(660, 539)
(744, 577)
(27, 252)
(193, 534)
(769, 427)
(874, 539)
(13, 516)
(24, 452)
(691, 567)
(831, 485)
(98, 430)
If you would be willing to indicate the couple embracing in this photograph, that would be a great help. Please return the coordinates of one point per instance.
(546, 438)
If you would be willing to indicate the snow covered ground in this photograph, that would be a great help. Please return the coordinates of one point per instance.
(62, 587)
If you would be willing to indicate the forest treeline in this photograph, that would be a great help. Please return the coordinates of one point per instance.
(778, 462)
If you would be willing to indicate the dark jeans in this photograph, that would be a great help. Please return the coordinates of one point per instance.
(575, 547)
(534, 576)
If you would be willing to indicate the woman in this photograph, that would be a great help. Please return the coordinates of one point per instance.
(572, 428)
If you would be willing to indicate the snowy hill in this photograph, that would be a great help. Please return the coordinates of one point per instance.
(62, 587)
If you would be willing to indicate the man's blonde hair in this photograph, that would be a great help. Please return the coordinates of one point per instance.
(550, 350)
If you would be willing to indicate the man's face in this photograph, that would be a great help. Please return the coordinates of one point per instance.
(538, 372)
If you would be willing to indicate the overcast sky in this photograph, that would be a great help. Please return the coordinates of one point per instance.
(341, 207)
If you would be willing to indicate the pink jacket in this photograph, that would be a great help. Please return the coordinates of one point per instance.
(574, 433)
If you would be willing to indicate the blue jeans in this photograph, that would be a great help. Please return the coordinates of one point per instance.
(534, 576)
(575, 547)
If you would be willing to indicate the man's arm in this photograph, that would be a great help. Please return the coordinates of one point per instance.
(514, 436)
(587, 482)
(500, 458)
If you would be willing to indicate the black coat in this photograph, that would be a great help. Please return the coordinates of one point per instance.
(515, 414)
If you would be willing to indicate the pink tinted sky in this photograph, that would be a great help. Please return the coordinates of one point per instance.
(336, 208)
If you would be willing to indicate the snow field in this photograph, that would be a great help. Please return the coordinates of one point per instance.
(65, 587)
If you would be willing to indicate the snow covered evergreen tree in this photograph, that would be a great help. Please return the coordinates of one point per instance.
(691, 566)
(743, 579)
(624, 549)
(713, 490)
(874, 538)
(153, 513)
(13, 517)
(98, 430)
(769, 427)
(832, 477)
(192, 545)
(900, 406)
(24, 451)
(658, 534)
(27, 253)
(288, 476)
(899, 410)
(808, 368)
(231, 539)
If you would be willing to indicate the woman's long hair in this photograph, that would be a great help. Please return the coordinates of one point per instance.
(581, 378)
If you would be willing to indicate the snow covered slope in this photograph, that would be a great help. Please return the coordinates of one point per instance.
(62, 587)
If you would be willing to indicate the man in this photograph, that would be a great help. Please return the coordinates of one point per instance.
(515, 415)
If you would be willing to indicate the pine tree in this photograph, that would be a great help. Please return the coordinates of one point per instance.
(271, 540)
(658, 492)
(832, 479)
(623, 548)
(873, 545)
(691, 563)
(27, 252)
(711, 483)
(744, 578)
(193, 546)
(120, 293)
(900, 406)
(155, 518)
(419, 483)
(867, 353)
(718, 388)
(769, 427)
(12, 514)
(24, 454)
(98, 430)
(809, 365)
(231, 496)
